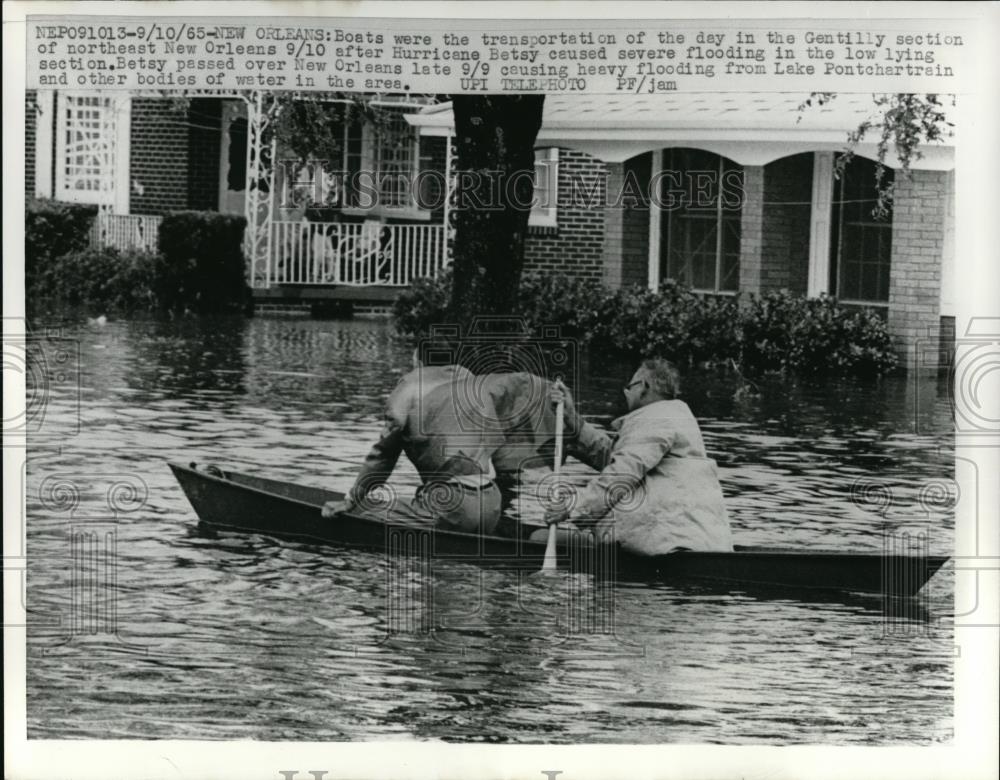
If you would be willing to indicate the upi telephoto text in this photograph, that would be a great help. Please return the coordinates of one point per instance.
(624, 57)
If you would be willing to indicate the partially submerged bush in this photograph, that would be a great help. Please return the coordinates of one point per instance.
(576, 305)
(814, 336)
(673, 322)
(103, 278)
(52, 229)
(200, 265)
(774, 332)
(423, 304)
(203, 266)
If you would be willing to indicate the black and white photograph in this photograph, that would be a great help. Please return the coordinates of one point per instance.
(507, 382)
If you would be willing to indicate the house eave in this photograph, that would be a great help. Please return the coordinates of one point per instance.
(752, 137)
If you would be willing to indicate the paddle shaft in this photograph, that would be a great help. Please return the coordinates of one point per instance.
(550, 545)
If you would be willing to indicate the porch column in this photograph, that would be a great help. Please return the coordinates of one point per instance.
(449, 188)
(121, 106)
(655, 216)
(258, 206)
(918, 233)
(819, 224)
(752, 228)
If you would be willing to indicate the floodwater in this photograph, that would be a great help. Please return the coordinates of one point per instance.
(142, 627)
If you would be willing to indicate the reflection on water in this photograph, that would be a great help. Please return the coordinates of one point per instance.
(243, 637)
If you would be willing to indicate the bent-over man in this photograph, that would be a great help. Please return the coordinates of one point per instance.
(449, 436)
(476, 433)
(656, 486)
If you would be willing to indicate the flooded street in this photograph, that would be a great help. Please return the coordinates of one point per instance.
(244, 637)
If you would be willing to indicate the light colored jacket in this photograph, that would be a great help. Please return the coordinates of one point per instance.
(657, 486)
(528, 421)
(445, 431)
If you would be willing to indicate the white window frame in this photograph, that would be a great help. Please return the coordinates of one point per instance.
(115, 193)
(719, 219)
(547, 165)
(371, 161)
(836, 211)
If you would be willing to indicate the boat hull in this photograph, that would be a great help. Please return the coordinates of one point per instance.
(231, 501)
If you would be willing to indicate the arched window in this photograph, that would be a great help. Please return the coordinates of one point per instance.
(860, 242)
(701, 198)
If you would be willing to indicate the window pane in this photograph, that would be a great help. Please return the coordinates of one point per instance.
(700, 234)
(730, 280)
(862, 249)
(86, 164)
(395, 161)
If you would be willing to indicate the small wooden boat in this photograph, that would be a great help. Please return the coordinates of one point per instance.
(230, 501)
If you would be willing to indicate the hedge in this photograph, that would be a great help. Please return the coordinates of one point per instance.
(199, 267)
(774, 332)
(52, 229)
(104, 278)
(203, 266)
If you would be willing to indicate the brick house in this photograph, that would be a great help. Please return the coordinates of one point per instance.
(725, 192)
(736, 192)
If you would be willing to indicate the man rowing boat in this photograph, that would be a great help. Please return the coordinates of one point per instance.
(450, 436)
(526, 415)
(469, 437)
(656, 487)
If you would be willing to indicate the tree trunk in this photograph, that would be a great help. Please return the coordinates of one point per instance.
(494, 182)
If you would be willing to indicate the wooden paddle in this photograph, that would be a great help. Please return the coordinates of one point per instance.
(549, 564)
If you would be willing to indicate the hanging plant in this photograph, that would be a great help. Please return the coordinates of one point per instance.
(905, 121)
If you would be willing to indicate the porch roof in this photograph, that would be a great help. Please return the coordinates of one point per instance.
(752, 128)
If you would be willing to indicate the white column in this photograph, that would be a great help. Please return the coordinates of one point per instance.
(250, 243)
(44, 127)
(122, 107)
(655, 216)
(819, 224)
(447, 203)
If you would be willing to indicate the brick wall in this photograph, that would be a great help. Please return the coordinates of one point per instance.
(752, 229)
(433, 157)
(626, 223)
(915, 274)
(946, 351)
(787, 210)
(159, 156)
(576, 246)
(30, 123)
(204, 148)
(174, 155)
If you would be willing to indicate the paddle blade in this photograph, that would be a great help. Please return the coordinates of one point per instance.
(549, 564)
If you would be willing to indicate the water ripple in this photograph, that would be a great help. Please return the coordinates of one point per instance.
(242, 637)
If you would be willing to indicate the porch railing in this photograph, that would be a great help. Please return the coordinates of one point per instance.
(369, 253)
(125, 231)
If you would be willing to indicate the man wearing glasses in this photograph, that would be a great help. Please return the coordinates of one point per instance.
(657, 487)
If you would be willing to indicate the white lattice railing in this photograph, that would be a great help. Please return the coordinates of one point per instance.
(369, 253)
(125, 231)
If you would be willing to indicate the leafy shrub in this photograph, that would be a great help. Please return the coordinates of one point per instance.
(203, 266)
(814, 336)
(53, 228)
(687, 327)
(423, 304)
(629, 315)
(774, 332)
(103, 278)
(576, 305)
